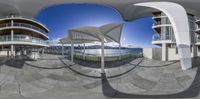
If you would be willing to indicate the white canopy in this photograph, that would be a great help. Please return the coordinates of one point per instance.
(88, 34)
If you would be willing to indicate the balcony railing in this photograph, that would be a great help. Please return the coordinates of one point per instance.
(23, 25)
(24, 38)
(34, 19)
(157, 37)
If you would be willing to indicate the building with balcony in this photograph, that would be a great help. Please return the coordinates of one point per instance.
(22, 36)
(165, 38)
(198, 33)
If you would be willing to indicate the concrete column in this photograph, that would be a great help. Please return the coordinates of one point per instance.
(102, 57)
(194, 50)
(38, 51)
(179, 21)
(119, 51)
(42, 51)
(62, 49)
(72, 51)
(84, 51)
(12, 46)
(164, 52)
(12, 33)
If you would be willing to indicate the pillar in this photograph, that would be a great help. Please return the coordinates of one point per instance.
(42, 51)
(102, 57)
(84, 51)
(62, 49)
(119, 51)
(12, 33)
(194, 50)
(72, 51)
(164, 52)
(179, 20)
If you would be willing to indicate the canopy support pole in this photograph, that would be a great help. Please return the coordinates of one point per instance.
(119, 51)
(102, 57)
(62, 49)
(72, 51)
(84, 51)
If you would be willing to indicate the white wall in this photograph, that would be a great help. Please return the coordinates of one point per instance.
(6, 53)
(172, 55)
(148, 53)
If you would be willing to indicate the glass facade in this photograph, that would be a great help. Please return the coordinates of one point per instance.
(167, 32)
(23, 25)
(24, 38)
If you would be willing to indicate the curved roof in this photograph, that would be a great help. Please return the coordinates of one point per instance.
(124, 7)
(112, 31)
(88, 34)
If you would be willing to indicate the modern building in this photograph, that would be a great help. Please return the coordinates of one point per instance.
(22, 36)
(129, 10)
(165, 38)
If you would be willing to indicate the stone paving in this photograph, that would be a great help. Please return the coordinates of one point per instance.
(49, 78)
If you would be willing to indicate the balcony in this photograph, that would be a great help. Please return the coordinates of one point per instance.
(197, 30)
(159, 25)
(158, 18)
(198, 40)
(23, 25)
(157, 39)
(23, 38)
(24, 17)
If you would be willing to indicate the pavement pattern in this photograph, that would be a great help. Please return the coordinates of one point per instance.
(51, 78)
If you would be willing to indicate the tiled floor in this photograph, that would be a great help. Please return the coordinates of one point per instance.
(49, 78)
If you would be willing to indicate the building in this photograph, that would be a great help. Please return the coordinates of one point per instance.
(129, 10)
(165, 39)
(22, 36)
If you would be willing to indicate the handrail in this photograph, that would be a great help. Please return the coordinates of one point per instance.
(157, 37)
(23, 25)
(26, 17)
(35, 40)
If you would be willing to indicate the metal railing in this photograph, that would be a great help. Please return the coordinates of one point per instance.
(34, 19)
(23, 38)
(159, 23)
(157, 37)
(23, 25)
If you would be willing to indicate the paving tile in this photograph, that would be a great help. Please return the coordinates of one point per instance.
(167, 82)
(142, 83)
(92, 85)
(61, 78)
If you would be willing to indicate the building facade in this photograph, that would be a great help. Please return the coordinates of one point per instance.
(22, 36)
(165, 38)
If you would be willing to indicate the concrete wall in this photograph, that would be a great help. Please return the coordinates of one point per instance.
(172, 55)
(157, 53)
(6, 53)
(153, 53)
(148, 53)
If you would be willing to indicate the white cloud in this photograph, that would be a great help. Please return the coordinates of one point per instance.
(54, 42)
(124, 39)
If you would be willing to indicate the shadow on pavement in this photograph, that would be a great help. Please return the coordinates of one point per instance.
(97, 64)
(16, 62)
(192, 91)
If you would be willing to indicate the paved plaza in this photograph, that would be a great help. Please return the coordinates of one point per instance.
(52, 77)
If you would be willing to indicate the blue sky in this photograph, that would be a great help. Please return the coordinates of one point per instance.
(60, 18)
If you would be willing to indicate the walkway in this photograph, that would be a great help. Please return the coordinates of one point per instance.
(50, 78)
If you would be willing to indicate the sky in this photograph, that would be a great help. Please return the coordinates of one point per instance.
(60, 18)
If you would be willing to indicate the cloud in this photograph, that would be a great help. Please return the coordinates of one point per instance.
(54, 42)
(124, 39)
